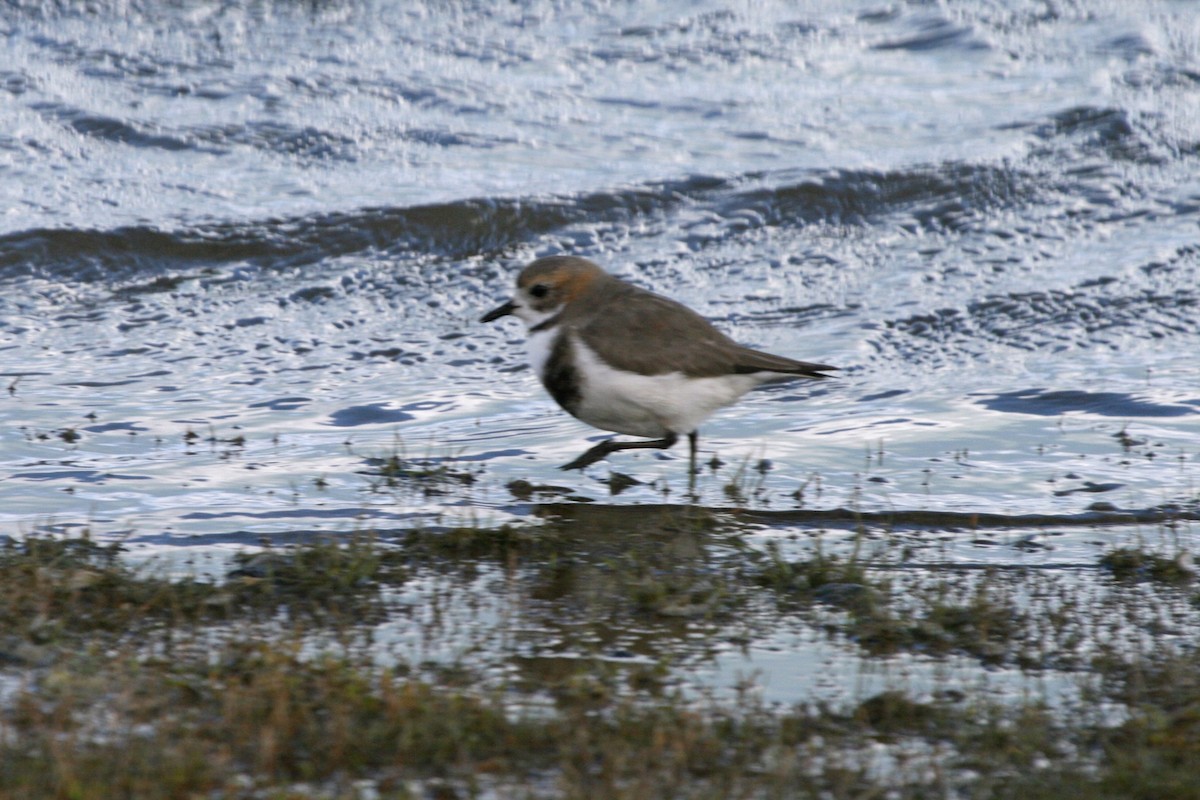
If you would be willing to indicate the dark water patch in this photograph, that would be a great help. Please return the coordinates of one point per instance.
(704, 38)
(80, 475)
(247, 322)
(398, 354)
(488, 455)
(102, 61)
(142, 322)
(94, 256)
(294, 534)
(365, 512)
(371, 414)
(967, 520)
(312, 294)
(704, 21)
(414, 94)
(1107, 124)
(942, 197)
(1099, 515)
(444, 138)
(457, 229)
(109, 129)
(1130, 46)
(378, 413)
(1085, 141)
(282, 403)
(97, 384)
(1050, 403)
(11, 145)
(934, 33)
(109, 427)
(949, 196)
(884, 395)
(784, 392)
(1178, 267)
(1090, 487)
(1109, 130)
(16, 83)
(1161, 75)
(306, 142)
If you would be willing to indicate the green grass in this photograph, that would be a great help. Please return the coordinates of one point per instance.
(122, 683)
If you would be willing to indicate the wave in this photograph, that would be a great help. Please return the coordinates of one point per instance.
(304, 142)
(1094, 313)
(109, 129)
(945, 197)
(457, 229)
(934, 33)
(940, 197)
(1113, 133)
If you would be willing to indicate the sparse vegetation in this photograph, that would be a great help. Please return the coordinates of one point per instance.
(1135, 564)
(267, 683)
(431, 477)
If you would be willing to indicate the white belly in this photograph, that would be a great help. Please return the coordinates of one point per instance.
(650, 405)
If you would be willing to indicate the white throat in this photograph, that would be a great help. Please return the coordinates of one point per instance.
(539, 344)
(532, 317)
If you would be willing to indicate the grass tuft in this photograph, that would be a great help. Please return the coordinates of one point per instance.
(1134, 564)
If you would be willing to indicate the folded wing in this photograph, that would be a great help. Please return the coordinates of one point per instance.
(657, 335)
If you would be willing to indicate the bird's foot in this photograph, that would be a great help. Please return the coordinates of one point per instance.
(594, 454)
(602, 450)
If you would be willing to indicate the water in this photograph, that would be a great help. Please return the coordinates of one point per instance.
(244, 248)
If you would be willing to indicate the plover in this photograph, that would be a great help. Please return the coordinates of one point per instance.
(627, 360)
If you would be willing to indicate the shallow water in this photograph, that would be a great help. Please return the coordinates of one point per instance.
(244, 248)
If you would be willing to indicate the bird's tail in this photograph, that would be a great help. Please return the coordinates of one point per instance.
(751, 361)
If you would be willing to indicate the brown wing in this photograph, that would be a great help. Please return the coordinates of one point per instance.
(635, 330)
(749, 360)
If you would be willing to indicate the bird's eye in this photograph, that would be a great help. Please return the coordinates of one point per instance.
(539, 290)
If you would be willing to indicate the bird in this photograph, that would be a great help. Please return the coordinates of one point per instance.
(624, 359)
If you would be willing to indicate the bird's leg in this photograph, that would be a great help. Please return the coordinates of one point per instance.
(693, 438)
(609, 446)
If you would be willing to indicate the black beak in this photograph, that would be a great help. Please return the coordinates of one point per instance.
(498, 312)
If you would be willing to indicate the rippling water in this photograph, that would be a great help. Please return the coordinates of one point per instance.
(244, 248)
